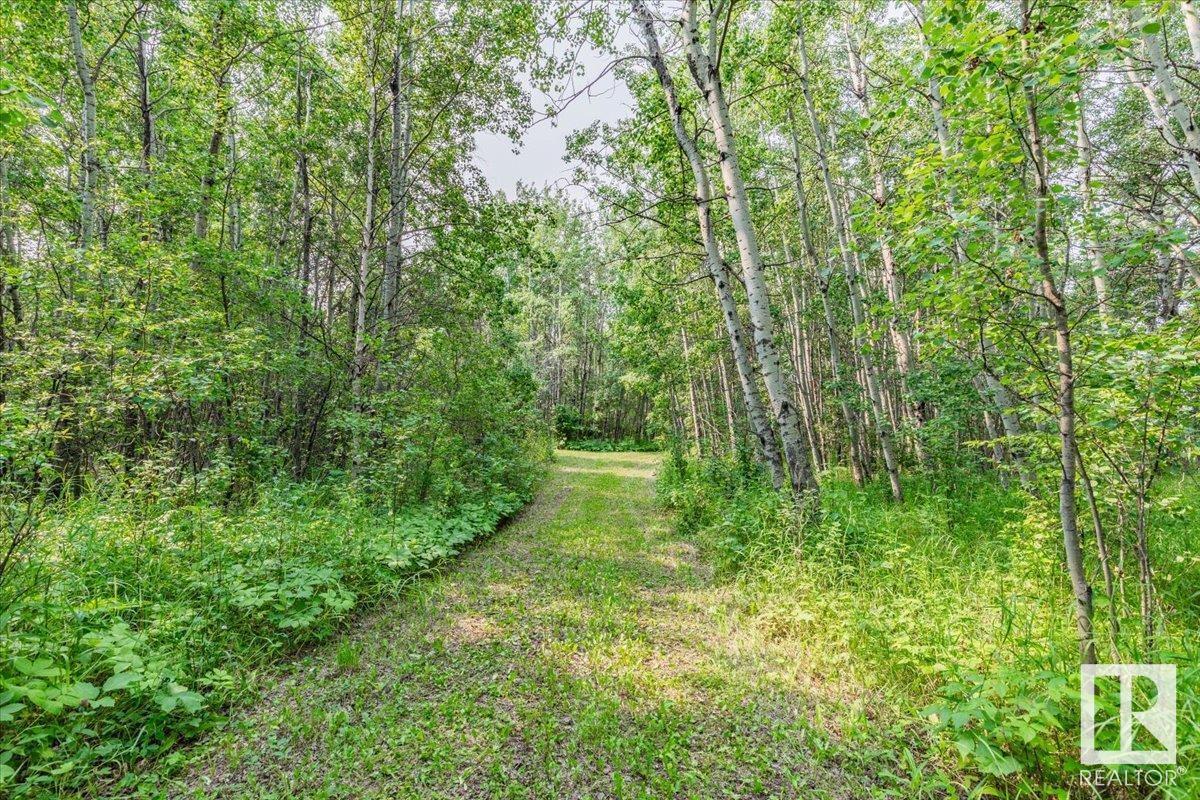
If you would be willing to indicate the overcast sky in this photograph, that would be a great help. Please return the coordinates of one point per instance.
(539, 161)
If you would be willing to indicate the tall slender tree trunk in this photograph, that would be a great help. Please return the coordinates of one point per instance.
(1162, 122)
(397, 170)
(304, 267)
(1056, 302)
(1147, 470)
(702, 62)
(301, 448)
(1191, 21)
(234, 203)
(1106, 569)
(145, 104)
(209, 177)
(693, 403)
(990, 387)
(857, 469)
(1085, 149)
(727, 397)
(1176, 108)
(756, 414)
(897, 330)
(993, 433)
(146, 118)
(797, 344)
(90, 174)
(883, 426)
(6, 238)
(331, 270)
(359, 368)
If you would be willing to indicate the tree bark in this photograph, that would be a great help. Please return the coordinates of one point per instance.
(757, 417)
(304, 267)
(901, 340)
(1056, 302)
(727, 398)
(1091, 246)
(91, 166)
(693, 405)
(857, 469)
(145, 105)
(397, 171)
(1106, 570)
(6, 253)
(702, 62)
(359, 368)
(883, 425)
(1191, 21)
(209, 178)
(992, 390)
(1162, 122)
(1175, 107)
(798, 343)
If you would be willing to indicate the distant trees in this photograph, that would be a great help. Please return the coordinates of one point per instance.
(932, 236)
(565, 302)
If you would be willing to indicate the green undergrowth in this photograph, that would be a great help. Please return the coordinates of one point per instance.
(953, 606)
(131, 626)
(612, 445)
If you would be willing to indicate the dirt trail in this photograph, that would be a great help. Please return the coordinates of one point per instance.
(582, 652)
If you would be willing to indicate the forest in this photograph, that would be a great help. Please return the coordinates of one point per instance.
(815, 439)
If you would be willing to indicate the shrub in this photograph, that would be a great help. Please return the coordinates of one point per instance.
(150, 617)
(612, 446)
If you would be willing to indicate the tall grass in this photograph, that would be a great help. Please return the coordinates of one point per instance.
(954, 606)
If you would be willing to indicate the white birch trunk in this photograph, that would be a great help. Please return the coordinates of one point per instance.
(398, 171)
(1163, 123)
(91, 167)
(368, 233)
(1090, 245)
(883, 425)
(693, 405)
(1065, 370)
(1191, 21)
(905, 359)
(991, 388)
(702, 63)
(759, 424)
(835, 351)
(1175, 106)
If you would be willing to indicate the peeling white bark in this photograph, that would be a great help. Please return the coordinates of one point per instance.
(702, 62)
(759, 424)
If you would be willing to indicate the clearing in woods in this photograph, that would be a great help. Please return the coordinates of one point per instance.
(581, 652)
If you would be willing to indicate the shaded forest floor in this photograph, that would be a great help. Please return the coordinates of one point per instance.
(582, 652)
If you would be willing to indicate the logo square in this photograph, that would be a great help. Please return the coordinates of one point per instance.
(1159, 719)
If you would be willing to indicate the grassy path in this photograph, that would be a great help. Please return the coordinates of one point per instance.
(582, 652)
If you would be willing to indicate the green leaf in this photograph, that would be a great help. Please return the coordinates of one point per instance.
(42, 668)
(120, 681)
(9, 711)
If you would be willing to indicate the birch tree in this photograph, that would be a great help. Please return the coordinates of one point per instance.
(850, 270)
(703, 56)
(717, 271)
